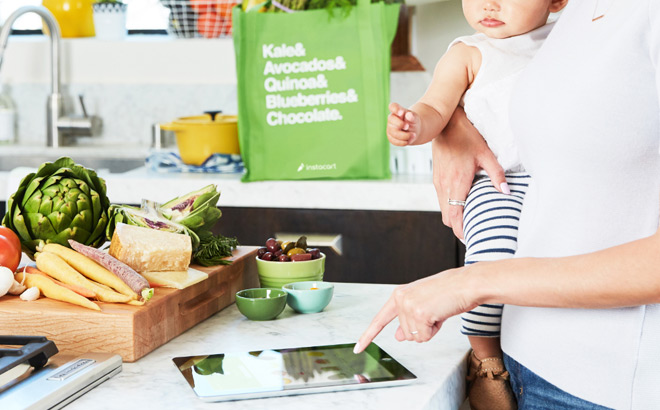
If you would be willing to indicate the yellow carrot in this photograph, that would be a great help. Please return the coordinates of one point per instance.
(54, 291)
(90, 269)
(78, 289)
(56, 267)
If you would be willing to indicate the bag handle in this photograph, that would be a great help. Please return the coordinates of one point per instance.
(369, 64)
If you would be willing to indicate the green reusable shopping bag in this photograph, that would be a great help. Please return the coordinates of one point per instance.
(313, 92)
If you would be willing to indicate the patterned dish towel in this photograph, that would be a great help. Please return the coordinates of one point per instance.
(167, 162)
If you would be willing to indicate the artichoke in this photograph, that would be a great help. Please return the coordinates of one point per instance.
(62, 201)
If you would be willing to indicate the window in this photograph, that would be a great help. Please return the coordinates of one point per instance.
(140, 14)
(27, 22)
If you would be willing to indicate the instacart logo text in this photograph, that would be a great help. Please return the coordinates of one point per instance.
(317, 167)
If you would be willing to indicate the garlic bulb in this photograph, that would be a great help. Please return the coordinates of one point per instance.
(6, 280)
(31, 294)
(16, 288)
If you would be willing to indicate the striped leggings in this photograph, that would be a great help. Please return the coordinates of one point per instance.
(490, 223)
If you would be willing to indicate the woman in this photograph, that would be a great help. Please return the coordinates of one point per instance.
(581, 328)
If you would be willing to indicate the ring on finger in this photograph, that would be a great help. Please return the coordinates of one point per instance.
(457, 202)
(414, 332)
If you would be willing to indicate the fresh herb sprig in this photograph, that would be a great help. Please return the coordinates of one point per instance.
(213, 248)
(331, 5)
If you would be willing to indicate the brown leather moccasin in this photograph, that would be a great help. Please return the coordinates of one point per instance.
(488, 384)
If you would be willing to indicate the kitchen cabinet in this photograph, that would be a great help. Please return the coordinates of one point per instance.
(376, 246)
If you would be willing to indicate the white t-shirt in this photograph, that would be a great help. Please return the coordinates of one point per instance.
(486, 102)
(586, 116)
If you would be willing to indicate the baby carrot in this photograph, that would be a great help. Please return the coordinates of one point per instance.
(90, 268)
(55, 291)
(78, 289)
(54, 266)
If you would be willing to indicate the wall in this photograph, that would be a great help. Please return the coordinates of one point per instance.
(143, 80)
(130, 84)
(435, 25)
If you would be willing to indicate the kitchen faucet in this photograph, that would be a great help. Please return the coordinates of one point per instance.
(57, 125)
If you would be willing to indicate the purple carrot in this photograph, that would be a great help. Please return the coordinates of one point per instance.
(133, 279)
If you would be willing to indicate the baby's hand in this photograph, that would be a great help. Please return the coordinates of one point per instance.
(402, 126)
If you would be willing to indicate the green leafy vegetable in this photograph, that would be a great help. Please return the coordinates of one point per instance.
(345, 6)
(147, 216)
(213, 248)
(192, 214)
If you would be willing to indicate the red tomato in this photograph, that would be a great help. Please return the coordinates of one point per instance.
(208, 25)
(10, 249)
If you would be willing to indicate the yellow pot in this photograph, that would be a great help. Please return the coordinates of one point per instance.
(201, 136)
(75, 17)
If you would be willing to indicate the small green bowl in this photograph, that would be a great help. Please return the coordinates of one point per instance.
(277, 274)
(261, 303)
(308, 297)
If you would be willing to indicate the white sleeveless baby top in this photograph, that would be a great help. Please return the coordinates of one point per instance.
(486, 102)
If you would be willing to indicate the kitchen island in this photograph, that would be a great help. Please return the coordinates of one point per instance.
(154, 382)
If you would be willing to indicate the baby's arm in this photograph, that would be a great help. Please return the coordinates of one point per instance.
(425, 119)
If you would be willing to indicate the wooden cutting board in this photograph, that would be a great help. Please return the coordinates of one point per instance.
(131, 331)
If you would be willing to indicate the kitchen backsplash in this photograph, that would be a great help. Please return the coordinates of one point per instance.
(129, 111)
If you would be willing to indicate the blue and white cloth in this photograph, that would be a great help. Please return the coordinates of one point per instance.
(490, 223)
(170, 162)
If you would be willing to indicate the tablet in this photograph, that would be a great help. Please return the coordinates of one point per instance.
(286, 372)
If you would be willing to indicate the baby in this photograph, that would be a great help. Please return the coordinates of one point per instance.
(478, 72)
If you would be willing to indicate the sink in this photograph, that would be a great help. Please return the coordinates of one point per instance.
(112, 165)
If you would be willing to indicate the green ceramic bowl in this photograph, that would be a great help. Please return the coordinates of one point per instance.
(308, 297)
(277, 274)
(261, 303)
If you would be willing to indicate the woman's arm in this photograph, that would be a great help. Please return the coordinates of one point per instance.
(458, 153)
(624, 275)
(621, 276)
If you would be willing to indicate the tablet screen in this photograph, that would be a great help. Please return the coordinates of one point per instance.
(289, 371)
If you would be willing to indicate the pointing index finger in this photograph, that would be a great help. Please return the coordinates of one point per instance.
(386, 314)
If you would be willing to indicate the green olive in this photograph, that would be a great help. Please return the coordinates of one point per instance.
(295, 251)
(302, 242)
(287, 246)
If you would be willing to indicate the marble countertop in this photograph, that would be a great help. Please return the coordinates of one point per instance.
(403, 192)
(154, 382)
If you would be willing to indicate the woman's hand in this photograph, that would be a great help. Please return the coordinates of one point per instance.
(422, 306)
(458, 153)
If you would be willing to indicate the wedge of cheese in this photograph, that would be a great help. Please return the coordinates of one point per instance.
(145, 249)
(175, 279)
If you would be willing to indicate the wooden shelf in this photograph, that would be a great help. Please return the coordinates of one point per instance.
(402, 60)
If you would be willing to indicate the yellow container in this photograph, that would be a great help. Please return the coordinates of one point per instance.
(201, 136)
(75, 17)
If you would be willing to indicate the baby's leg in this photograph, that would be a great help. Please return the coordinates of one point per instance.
(490, 223)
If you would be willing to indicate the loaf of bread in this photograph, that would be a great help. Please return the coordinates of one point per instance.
(145, 249)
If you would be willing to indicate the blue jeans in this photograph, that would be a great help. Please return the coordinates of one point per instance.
(534, 393)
